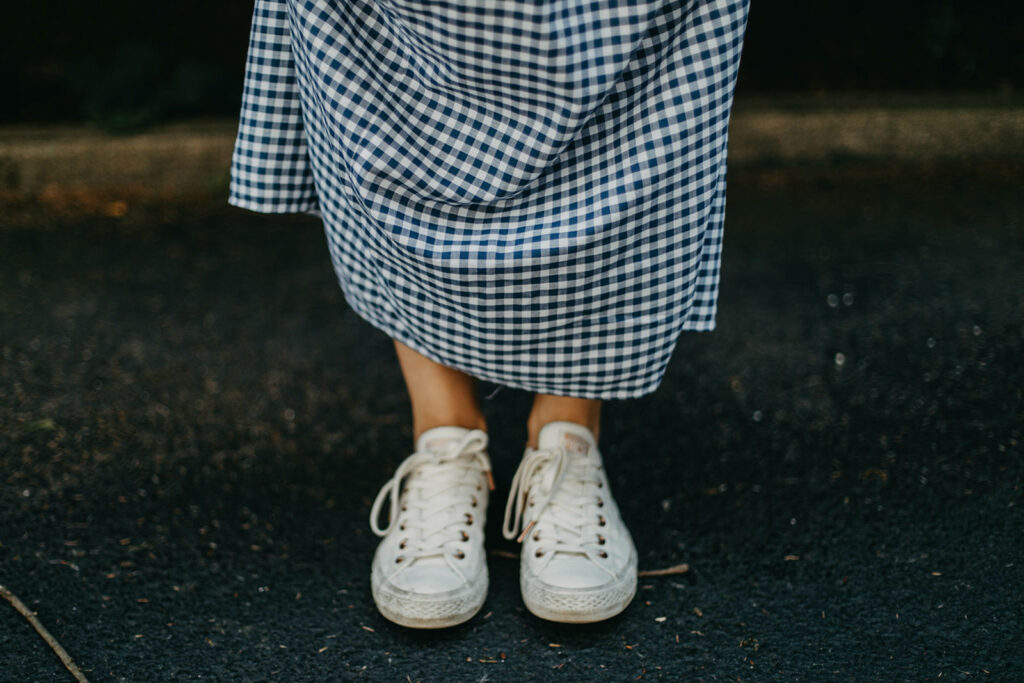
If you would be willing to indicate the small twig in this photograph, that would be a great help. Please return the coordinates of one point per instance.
(65, 658)
(668, 571)
(506, 554)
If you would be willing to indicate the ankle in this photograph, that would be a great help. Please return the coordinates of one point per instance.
(547, 409)
(421, 424)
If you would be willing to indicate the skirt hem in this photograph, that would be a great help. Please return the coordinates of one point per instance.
(632, 392)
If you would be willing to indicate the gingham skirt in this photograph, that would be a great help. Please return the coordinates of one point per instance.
(532, 192)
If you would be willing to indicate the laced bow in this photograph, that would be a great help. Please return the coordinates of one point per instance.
(431, 477)
(565, 489)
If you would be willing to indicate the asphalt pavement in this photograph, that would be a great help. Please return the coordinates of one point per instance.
(193, 425)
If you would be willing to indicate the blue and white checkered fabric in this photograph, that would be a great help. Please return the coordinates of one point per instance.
(531, 191)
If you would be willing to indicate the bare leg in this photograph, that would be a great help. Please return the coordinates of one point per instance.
(548, 408)
(440, 396)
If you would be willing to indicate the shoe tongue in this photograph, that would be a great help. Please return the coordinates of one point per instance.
(436, 439)
(575, 439)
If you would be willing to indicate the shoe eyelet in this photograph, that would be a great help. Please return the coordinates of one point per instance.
(398, 560)
(404, 542)
(459, 555)
(601, 521)
(465, 536)
(536, 536)
(469, 519)
(401, 527)
(600, 502)
(475, 502)
(603, 554)
(600, 484)
(539, 553)
(404, 509)
(600, 539)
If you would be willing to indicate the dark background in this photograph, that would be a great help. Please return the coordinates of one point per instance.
(125, 64)
(193, 425)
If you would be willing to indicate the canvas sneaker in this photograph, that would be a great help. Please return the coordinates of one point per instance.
(430, 569)
(578, 562)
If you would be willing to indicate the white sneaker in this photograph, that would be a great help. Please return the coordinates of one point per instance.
(578, 562)
(430, 571)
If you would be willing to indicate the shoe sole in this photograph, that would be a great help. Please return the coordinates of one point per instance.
(580, 606)
(414, 610)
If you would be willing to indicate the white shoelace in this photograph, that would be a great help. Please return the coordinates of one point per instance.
(567, 492)
(438, 498)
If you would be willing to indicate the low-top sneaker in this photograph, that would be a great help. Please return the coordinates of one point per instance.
(578, 562)
(430, 569)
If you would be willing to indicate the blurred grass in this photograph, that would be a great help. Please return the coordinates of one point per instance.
(73, 170)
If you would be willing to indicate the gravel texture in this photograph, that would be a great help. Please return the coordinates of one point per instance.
(193, 425)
